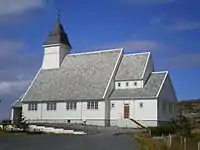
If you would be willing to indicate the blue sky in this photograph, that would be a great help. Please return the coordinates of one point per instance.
(170, 29)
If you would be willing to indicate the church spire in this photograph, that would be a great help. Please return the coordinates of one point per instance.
(58, 35)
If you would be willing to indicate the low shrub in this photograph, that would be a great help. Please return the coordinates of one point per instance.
(162, 130)
(5, 123)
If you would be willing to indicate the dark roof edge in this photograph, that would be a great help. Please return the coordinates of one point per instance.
(46, 101)
(166, 74)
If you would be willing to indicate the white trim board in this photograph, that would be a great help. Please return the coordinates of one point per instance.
(162, 83)
(145, 67)
(113, 72)
(31, 83)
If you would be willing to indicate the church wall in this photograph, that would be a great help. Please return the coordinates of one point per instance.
(117, 108)
(145, 110)
(167, 101)
(147, 115)
(33, 115)
(61, 114)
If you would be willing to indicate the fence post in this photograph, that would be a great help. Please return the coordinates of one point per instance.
(199, 145)
(185, 142)
(170, 140)
(181, 141)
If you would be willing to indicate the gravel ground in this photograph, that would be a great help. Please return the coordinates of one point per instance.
(68, 142)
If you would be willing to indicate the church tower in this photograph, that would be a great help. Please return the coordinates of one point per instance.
(55, 48)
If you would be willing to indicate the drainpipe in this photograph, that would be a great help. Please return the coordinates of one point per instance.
(41, 111)
(12, 115)
(81, 110)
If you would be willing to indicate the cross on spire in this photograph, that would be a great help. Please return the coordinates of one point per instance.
(57, 10)
(58, 15)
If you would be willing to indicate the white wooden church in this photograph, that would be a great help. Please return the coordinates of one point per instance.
(105, 88)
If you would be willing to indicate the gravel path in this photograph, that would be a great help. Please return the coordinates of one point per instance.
(63, 142)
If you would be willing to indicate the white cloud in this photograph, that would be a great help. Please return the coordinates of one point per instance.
(7, 87)
(8, 7)
(143, 2)
(183, 26)
(17, 67)
(134, 46)
(182, 60)
(9, 47)
(155, 20)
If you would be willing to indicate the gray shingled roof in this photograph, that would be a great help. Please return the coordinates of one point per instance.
(81, 76)
(58, 35)
(17, 103)
(132, 66)
(149, 91)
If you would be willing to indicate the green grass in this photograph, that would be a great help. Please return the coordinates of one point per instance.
(146, 142)
(4, 133)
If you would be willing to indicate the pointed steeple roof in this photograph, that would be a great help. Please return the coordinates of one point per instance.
(57, 36)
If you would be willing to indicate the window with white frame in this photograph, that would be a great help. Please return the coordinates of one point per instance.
(135, 83)
(127, 84)
(51, 106)
(92, 105)
(141, 105)
(71, 105)
(32, 106)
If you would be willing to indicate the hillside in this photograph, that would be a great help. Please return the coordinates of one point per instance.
(190, 108)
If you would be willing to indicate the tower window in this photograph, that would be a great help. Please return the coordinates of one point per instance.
(119, 84)
(126, 83)
(135, 83)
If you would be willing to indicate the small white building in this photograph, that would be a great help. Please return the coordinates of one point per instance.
(106, 88)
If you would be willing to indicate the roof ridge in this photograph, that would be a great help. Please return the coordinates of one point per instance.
(142, 53)
(161, 72)
(94, 52)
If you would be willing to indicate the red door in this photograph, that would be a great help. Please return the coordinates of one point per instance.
(126, 111)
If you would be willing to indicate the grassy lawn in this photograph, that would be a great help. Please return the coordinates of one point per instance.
(3, 133)
(146, 142)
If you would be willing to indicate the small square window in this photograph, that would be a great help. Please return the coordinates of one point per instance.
(119, 84)
(135, 83)
(113, 105)
(141, 105)
(126, 83)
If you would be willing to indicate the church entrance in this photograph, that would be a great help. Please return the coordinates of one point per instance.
(126, 110)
